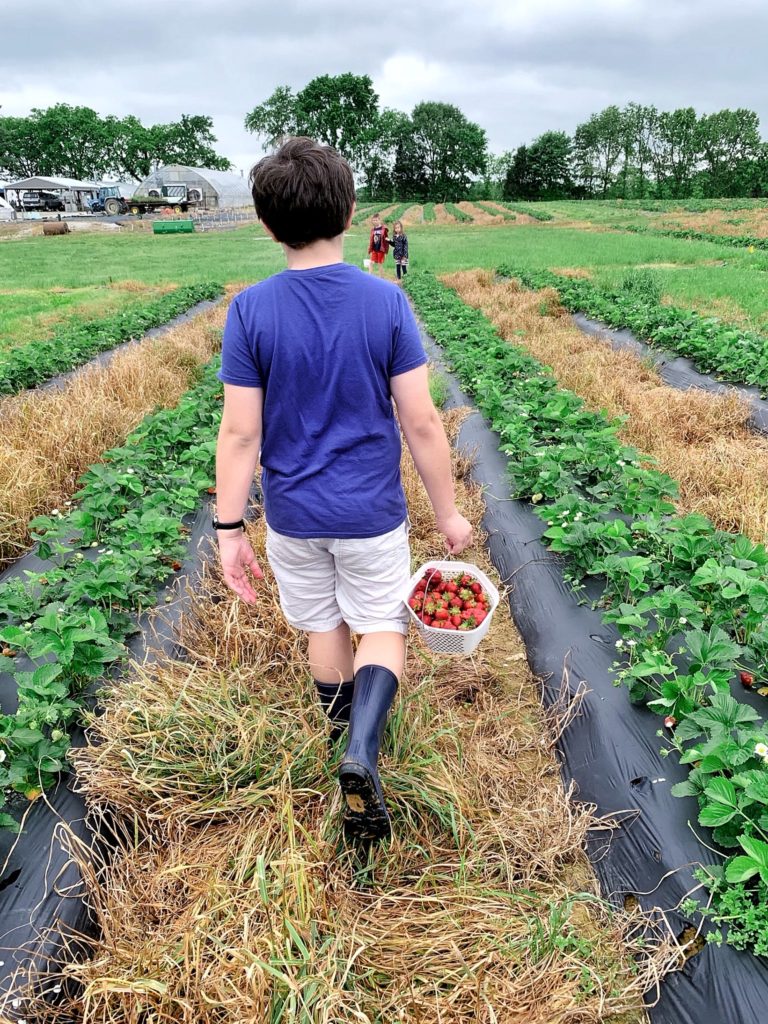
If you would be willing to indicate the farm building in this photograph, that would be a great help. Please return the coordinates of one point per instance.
(73, 192)
(218, 189)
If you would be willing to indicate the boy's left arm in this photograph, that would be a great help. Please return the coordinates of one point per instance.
(237, 454)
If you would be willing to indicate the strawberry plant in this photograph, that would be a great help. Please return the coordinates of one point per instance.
(111, 551)
(529, 210)
(689, 601)
(727, 351)
(457, 214)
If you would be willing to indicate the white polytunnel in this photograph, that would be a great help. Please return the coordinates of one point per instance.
(218, 189)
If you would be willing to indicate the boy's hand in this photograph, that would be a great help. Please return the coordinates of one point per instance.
(457, 532)
(236, 558)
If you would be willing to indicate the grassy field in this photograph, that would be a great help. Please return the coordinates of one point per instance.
(713, 278)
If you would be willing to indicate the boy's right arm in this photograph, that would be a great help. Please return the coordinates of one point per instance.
(426, 440)
(237, 453)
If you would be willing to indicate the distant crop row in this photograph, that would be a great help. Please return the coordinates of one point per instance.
(73, 344)
(730, 352)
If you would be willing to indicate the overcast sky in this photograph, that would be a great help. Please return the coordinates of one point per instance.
(517, 67)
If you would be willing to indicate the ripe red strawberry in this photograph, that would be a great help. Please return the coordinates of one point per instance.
(452, 587)
(479, 615)
(467, 614)
(415, 603)
(747, 680)
(456, 620)
(427, 620)
(441, 613)
(475, 588)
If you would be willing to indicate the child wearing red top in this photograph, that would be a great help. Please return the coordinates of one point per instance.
(378, 243)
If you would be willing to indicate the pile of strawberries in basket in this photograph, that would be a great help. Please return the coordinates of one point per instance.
(449, 602)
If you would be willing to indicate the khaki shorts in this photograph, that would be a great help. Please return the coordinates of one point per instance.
(326, 581)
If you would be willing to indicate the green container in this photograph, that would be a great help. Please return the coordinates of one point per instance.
(173, 227)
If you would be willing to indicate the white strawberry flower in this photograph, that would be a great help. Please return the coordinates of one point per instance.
(761, 750)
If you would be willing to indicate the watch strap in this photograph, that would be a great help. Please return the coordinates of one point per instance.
(217, 525)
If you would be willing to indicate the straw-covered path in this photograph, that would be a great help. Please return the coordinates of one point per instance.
(230, 895)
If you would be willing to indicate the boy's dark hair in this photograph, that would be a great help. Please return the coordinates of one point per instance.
(303, 192)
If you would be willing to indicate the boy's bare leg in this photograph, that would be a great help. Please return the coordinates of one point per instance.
(387, 649)
(331, 656)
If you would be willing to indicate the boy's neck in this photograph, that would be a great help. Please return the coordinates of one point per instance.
(322, 253)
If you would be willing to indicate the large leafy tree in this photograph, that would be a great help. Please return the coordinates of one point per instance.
(275, 118)
(19, 148)
(541, 170)
(452, 149)
(597, 147)
(675, 151)
(76, 142)
(728, 141)
(520, 181)
(339, 110)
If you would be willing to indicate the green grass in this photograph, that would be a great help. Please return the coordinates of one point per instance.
(90, 259)
(692, 273)
(32, 314)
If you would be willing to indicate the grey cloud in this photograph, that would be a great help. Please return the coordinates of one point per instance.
(547, 66)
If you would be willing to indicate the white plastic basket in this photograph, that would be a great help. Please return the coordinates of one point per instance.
(446, 641)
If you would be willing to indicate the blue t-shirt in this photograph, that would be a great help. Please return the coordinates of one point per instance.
(323, 344)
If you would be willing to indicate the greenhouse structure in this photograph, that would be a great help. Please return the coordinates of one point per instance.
(213, 189)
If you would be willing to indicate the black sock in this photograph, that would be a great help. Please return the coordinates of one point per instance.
(336, 699)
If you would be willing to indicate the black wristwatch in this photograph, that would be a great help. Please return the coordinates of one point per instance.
(240, 524)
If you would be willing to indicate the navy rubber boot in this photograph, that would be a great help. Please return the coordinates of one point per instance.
(336, 701)
(366, 813)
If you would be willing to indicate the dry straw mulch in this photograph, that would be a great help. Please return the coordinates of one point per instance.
(701, 440)
(49, 437)
(479, 215)
(230, 895)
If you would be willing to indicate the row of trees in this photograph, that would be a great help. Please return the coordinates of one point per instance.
(76, 142)
(639, 151)
(434, 153)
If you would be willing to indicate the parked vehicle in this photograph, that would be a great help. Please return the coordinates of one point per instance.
(112, 200)
(39, 200)
(7, 212)
(178, 197)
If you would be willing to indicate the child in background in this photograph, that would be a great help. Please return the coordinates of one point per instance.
(400, 248)
(378, 244)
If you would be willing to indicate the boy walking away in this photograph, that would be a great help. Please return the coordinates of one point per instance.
(312, 360)
(400, 248)
(378, 244)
